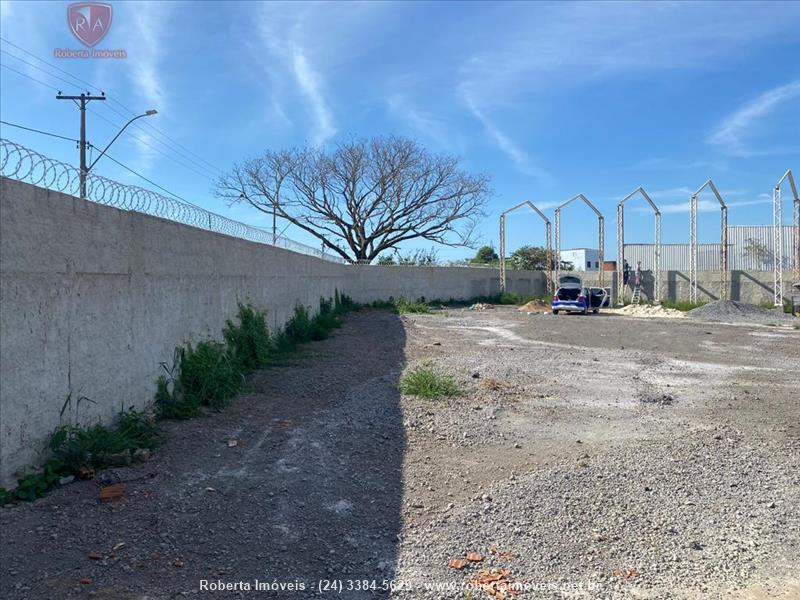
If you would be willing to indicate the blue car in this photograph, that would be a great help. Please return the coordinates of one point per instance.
(575, 298)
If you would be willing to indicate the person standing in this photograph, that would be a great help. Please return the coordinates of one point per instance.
(626, 273)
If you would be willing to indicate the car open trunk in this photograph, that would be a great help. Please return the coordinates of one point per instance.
(569, 294)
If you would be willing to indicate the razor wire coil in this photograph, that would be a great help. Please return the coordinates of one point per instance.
(26, 165)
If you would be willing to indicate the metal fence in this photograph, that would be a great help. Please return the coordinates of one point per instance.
(749, 249)
(21, 163)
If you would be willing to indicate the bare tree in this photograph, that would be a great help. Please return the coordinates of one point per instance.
(364, 197)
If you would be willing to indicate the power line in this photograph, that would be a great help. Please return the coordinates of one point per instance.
(153, 183)
(146, 143)
(29, 77)
(38, 68)
(98, 115)
(163, 189)
(186, 150)
(55, 135)
(183, 156)
(67, 73)
(82, 101)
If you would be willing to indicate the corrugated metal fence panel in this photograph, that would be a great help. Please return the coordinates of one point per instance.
(749, 249)
(674, 257)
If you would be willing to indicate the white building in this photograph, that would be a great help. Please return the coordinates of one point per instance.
(582, 259)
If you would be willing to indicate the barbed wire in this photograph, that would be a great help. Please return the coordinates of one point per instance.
(23, 164)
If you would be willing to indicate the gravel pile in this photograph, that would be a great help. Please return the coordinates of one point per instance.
(731, 311)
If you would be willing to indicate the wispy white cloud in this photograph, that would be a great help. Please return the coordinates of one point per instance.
(149, 23)
(676, 200)
(560, 47)
(670, 193)
(521, 159)
(707, 205)
(282, 35)
(686, 192)
(421, 122)
(732, 132)
(23, 27)
(301, 43)
(669, 164)
(6, 9)
(309, 82)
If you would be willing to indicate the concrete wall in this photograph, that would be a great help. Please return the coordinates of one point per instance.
(755, 287)
(92, 299)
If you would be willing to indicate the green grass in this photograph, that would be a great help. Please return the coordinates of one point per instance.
(429, 382)
(298, 328)
(249, 341)
(787, 306)
(201, 376)
(383, 305)
(139, 429)
(75, 449)
(327, 319)
(31, 486)
(512, 298)
(302, 328)
(682, 305)
(406, 307)
(171, 403)
(209, 374)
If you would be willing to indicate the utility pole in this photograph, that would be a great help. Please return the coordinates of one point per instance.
(81, 101)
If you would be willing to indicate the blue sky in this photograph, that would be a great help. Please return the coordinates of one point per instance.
(549, 99)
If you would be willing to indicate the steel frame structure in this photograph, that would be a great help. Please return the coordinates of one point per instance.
(600, 235)
(548, 246)
(621, 245)
(777, 235)
(723, 242)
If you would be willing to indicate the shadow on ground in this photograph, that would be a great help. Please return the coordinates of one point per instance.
(299, 481)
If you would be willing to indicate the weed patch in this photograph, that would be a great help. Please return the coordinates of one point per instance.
(787, 306)
(682, 305)
(76, 450)
(139, 429)
(389, 304)
(205, 375)
(427, 381)
(405, 307)
(209, 375)
(249, 341)
(298, 328)
(513, 298)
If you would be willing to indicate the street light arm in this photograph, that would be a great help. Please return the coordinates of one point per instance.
(119, 133)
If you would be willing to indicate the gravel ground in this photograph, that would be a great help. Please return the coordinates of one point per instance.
(731, 311)
(588, 457)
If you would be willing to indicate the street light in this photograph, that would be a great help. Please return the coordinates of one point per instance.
(148, 113)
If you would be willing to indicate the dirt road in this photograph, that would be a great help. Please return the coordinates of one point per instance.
(591, 457)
